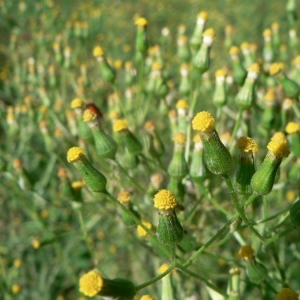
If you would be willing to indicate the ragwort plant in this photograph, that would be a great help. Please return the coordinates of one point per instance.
(170, 199)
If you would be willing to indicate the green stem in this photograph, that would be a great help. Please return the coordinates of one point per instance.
(158, 277)
(239, 208)
(279, 235)
(208, 283)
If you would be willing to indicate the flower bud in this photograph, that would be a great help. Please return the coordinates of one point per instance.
(220, 95)
(246, 166)
(141, 42)
(92, 284)
(169, 230)
(93, 178)
(195, 41)
(293, 128)
(287, 294)
(263, 179)
(246, 96)
(216, 156)
(105, 145)
(239, 72)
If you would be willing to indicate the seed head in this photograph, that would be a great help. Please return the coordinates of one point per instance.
(246, 252)
(246, 144)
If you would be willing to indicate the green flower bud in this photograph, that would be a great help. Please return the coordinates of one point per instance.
(216, 156)
(178, 167)
(105, 145)
(141, 42)
(234, 284)
(263, 179)
(166, 284)
(239, 72)
(184, 85)
(195, 41)
(169, 230)
(256, 271)
(92, 284)
(93, 178)
(183, 50)
(124, 198)
(107, 72)
(268, 51)
(246, 166)
(202, 58)
(220, 95)
(132, 144)
(198, 169)
(293, 129)
(246, 96)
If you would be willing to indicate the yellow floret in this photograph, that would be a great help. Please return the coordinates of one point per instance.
(98, 51)
(275, 68)
(89, 115)
(120, 125)
(245, 45)
(150, 126)
(164, 200)
(296, 60)
(197, 138)
(246, 144)
(163, 268)
(141, 22)
(246, 252)
(141, 231)
(204, 122)
(287, 294)
(182, 103)
(254, 68)
(279, 148)
(147, 297)
(156, 66)
(267, 32)
(91, 283)
(79, 184)
(270, 95)
(17, 263)
(74, 154)
(275, 26)
(203, 15)
(77, 103)
(179, 138)
(114, 115)
(292, 127)
(278, 136)
(209, 32)
(124, 197)
(172, 114)
(221, 73)
(16, 289)
(234, 50)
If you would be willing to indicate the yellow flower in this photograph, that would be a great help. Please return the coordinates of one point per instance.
(204, 122)
(267, 32)
(275, 68)
(254, 68)
(182, 104)
(278, 136)
(221, 73)
(120, 125)
(77, 103)
(74, 153)
(147, 297)
(179, 138)
(287, 294)
(124, 197)
(163, 268)
(279, 148)
(164, 200)
(141, 22)
(98, 51)
(89, 115)
(209, 32)
(292, 127)
(246, 144)
(91, 283)
(234, 50)
(203, 15)
(141, 231)
(16, 288)
(246, 252)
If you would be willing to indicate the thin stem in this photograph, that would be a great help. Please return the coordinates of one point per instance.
(239, 208)
(208, 283)
(279, 235)
(158, 277)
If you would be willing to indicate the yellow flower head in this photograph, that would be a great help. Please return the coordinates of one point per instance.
(120, 125)
(197, 138)
(254, 68)
(275, 68)
(79, 184)
(296, 60)
(91, 283)
(98, 51)
(172, 114)
(204, 122)
(74, 153)
(203, 15)
(292, 127)
(267, 32)
(17, 263)
(156, 66)
(209, 32)
(279, 148)
(89, 115)
(141, 22)
(182, 103)
(275, 26)
(221, 73)
(270, 95)
(16, 289)
(141, 231)
(77, 103)
(147, 297)
(124, 197)
(36, 244)
(246, 144)
(164, 200)
(163, 268)
(234, 50)
(179, 138)
(113, 115)
(279, 136)
(150, 126)
(246, 252)
(287, 294)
